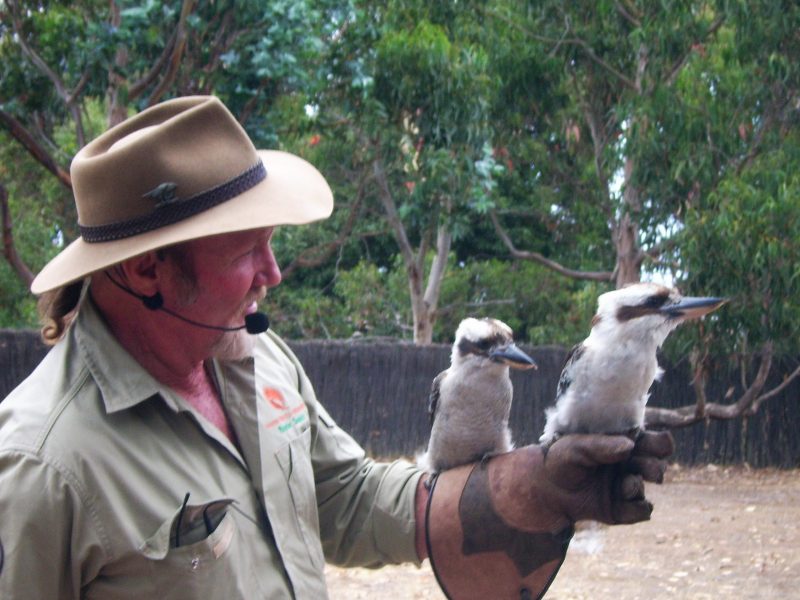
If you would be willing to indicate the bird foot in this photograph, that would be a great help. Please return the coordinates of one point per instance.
(429, 481)
(546, 443)
(634, 433)
(487, 456)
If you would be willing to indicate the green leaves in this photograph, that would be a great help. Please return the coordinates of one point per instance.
(744, 246)
(548, 113)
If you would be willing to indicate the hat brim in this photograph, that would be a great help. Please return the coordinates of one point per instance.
(292, 193)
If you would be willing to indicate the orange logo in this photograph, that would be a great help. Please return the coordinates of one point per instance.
(275, 398)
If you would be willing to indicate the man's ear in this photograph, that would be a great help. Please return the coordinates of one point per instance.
(142, 273)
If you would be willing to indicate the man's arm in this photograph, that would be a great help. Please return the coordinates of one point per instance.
(500, 528)
(41, 528)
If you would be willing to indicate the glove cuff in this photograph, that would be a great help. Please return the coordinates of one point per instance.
(475, 552)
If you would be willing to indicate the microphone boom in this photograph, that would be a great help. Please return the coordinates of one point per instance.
(254, 323)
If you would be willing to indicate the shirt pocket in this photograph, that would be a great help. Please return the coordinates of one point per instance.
(294, 459)
(204, 564)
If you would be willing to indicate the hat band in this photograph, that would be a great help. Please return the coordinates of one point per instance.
(169, 210)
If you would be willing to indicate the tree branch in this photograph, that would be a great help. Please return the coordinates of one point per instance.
(176, 55)
(68, 97)
(23, 136)
(626, 13)
(677, 67)
(747, 404)
(588, 50)
(775, 391)
(313, 257)
(597, 130)
(136, 90)
(550, 264)
(389, 206)
(9, 250)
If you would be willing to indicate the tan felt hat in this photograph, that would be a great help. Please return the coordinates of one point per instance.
(181, 170)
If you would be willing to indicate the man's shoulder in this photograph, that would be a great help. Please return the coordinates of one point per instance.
(30, 413)
(273, 352)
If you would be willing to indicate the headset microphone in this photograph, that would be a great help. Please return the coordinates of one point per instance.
(256, 322)
(253, 323)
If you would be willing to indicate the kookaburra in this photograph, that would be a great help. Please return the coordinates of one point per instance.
(604, 385)
(470, 402)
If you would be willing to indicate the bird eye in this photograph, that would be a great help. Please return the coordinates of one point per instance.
(655, 301)
(483, 344)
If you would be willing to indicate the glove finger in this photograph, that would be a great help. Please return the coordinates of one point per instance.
(589, 450)
(655, 443)
(631, 487)
(651, 469)
(633, 512)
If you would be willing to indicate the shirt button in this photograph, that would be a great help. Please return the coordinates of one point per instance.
(195, 563)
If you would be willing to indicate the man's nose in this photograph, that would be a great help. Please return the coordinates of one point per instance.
(269, 273)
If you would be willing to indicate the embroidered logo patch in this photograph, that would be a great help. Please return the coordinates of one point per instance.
(288, 416)
(275, 398)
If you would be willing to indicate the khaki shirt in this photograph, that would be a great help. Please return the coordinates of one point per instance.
(97, 458)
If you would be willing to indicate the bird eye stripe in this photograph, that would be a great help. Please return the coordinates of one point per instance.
(656, 301)
(626, 313)
(481, 346)
(648, 306)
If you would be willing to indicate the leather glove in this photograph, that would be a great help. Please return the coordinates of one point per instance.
(586, 476)
(500, 528)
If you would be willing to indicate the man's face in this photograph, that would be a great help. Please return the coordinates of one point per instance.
(228, 275)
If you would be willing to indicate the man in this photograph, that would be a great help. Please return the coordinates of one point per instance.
(161, 451)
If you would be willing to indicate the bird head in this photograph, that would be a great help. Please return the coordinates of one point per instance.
(489, 341)
(649, 309)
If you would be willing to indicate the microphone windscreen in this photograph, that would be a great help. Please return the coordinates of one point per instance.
(256, 322)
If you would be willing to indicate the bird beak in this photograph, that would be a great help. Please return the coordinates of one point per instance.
(692, 308)
(513, 357)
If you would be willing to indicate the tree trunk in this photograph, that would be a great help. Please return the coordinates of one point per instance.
(628, 255)
(424, 306)
(423, 302)
(626, 233)
(117, 110)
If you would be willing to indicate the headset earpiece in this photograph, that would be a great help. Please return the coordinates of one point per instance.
(153, 302)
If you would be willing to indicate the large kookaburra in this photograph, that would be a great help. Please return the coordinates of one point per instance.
(604, 385)
(470, 402)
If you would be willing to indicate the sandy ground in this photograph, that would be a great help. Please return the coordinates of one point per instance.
(721, 533)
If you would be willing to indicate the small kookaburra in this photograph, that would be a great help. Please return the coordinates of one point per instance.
(470, 402)
(604, 385)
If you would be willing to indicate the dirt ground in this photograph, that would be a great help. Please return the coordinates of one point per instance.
(721, 533)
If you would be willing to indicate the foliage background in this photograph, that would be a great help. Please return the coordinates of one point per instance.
(610, 138)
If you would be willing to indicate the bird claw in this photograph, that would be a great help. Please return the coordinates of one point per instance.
(545, 445)
(635, 433)
(487, 456)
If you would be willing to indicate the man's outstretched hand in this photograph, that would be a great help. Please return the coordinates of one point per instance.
(579, 477)
(501, 527)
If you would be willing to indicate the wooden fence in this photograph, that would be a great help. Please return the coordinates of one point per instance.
(378, 392)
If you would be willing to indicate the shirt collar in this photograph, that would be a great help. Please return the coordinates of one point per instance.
(123, 382)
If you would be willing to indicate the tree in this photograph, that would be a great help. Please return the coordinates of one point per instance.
(614, 59)
(660, 115)
(71, 69)
(410, 91)
(764, 320)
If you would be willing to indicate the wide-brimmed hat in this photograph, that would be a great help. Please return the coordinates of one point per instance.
(181, 170)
